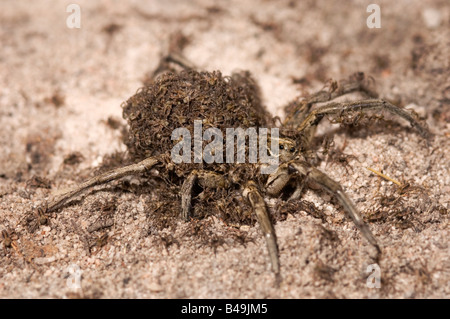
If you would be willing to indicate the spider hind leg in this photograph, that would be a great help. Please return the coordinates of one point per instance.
(140, 167)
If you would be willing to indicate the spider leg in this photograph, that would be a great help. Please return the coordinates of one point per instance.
(114, 174)
(335, 189)
(313, 119)
(205, 179)
(259, 207)
(280, 178)
(298, 191)
(175, 58)
(181, 61)
(356, 83)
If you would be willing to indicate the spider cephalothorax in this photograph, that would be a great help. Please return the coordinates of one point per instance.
(177, 100)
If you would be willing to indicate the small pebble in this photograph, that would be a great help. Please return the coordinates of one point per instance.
(432, 18)
(155, 287)
(244, 228)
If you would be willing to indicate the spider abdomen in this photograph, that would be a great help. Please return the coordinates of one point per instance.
(176, 100)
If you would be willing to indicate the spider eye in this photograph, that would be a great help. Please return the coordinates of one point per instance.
(281, 147)
(292, 150)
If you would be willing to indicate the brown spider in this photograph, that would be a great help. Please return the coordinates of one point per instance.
(175, 100)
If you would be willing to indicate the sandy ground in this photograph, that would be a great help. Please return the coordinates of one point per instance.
(60, 87)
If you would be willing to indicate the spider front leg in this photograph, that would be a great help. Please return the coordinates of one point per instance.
(205, 179)
(356, 83)
(313, 119)
(259, 207)
(214, 180)
(279, 179)
(114, 174)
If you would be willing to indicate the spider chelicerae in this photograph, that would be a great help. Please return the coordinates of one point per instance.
(176, 99)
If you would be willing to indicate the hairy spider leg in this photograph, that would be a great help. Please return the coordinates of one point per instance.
(279, 180)
(206, 179)
(114, 174)
(356, 83)
(259, 207)
(214, 180)
(313, 118)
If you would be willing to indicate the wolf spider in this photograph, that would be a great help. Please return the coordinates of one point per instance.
(296, 151)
